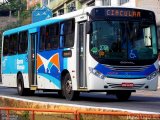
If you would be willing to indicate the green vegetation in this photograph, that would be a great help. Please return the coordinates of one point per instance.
(18, 11)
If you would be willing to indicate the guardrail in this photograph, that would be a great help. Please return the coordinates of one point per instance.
(5, 114)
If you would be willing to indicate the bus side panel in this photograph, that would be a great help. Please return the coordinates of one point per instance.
(11, 65)
(50, 64)
(9, 80)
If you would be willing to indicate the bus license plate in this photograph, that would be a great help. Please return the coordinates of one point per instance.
(127, 85)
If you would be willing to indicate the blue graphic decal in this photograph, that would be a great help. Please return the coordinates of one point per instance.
(15, 63)
(120, 74)
(51, 63)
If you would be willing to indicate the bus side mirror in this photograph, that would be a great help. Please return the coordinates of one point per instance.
(89, 27)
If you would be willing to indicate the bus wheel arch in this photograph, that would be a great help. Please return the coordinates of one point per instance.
(22, 91)
(60, 92)
(67, 91)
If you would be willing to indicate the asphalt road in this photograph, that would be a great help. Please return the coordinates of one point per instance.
(141, 100)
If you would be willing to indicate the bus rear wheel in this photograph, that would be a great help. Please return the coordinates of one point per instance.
(68, 93)
(123, 95)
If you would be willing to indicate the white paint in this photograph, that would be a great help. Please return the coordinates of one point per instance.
(80, 106)
(1, 1)
(114, 3)
(20, 64)
(98, 3)
(44, 83)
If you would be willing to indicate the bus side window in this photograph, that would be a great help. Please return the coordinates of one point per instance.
(23, 42)
(47, 39)
(5, 46)
(62, 35)
(52, 36)
(13, 44)
(67, 31)
(42, 38)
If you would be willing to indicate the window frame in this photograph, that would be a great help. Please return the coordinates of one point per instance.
(67, 32)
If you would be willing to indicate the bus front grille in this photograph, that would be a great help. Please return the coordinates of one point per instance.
(128, 68)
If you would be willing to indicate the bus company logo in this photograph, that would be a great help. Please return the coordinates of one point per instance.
(48, 63)
(20, 64)
(127, 62)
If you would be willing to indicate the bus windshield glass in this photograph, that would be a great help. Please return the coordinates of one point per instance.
(123, 40)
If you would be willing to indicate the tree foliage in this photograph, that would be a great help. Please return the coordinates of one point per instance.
(14, 5)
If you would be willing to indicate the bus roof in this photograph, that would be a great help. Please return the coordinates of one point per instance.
(44, 22)
(58, 19)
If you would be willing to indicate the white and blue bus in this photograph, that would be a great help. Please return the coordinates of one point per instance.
(97, 49)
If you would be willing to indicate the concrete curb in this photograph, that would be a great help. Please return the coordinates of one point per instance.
(22, 103)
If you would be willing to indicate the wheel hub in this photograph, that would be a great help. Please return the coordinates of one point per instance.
(69, 86)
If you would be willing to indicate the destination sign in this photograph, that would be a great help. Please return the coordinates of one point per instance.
(123, 13)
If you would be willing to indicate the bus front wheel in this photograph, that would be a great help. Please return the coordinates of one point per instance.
(20, 87)
(123, 95)
(68, 93)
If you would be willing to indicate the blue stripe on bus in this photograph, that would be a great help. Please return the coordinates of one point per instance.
(120, 74)
(30, 26)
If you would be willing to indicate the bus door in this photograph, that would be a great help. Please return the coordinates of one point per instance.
(82, 55)
(32, 59)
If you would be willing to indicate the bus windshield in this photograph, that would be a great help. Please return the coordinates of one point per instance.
(123, 40)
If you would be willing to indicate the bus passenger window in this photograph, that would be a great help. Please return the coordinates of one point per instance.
(23, 42)
(6, 45)
(52, 36)
(67, 34)
(42, 38)
(69, 29)
(13, 44)
(47, 39)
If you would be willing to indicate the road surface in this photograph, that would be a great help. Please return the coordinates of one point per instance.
(148, 101)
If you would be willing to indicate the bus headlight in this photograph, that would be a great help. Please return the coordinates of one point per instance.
(96, 73)
(152, 75)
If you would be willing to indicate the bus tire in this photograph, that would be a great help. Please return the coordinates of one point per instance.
(20, 87)
(123, 95)
(68, 93)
